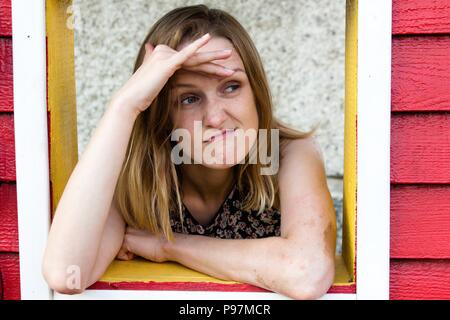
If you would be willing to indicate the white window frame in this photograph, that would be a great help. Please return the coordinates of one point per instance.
(31, 143)
(373, 165)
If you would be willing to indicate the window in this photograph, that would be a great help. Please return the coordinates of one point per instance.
(365, 250)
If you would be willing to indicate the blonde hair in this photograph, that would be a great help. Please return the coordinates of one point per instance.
(148, 188)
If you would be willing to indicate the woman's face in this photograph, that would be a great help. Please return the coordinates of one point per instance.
(206, 104)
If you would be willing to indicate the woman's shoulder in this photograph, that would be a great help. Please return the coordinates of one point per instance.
(292, 149)
(302, 167)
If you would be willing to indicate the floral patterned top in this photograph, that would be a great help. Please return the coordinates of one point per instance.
(230, 222)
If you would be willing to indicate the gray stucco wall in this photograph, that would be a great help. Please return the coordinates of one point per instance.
(301, 43)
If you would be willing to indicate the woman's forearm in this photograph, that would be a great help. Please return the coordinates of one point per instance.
(80, 216)
(267, 262)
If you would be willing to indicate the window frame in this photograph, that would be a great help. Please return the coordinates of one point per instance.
(372, 97)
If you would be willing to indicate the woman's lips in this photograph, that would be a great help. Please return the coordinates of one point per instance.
(220, 136)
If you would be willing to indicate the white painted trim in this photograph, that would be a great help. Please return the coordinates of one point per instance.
(374, 127)
(31, 143)
(185, 295)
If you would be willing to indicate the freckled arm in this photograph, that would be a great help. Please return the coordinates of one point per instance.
(267, 262)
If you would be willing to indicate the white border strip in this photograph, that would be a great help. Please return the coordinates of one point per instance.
(374, 126)
(31, 143)
(186, 295)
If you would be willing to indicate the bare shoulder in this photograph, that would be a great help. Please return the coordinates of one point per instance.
(304, 193)
(307, 149)
(302, 160)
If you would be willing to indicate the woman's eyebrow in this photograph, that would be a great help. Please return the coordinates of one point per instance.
(188, 85)
(239, 69)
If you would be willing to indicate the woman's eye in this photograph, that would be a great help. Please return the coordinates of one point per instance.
(193, 99)
(190, 97)
(234, 85)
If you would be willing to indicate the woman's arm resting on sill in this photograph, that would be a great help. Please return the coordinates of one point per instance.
(308, 217)
(272, 263)
(75, 236)
(110, 243)
(299, 264)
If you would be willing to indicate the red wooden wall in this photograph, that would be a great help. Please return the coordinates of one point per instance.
(9, 245)
(420, 150)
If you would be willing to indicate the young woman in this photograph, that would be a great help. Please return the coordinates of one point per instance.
(127, 197)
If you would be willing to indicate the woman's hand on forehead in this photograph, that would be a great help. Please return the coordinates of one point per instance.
(202, 63)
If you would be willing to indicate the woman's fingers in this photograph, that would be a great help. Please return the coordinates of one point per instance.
(124, 254)
(188, 58)
(203, 57)
(211, 68)
(181, 56)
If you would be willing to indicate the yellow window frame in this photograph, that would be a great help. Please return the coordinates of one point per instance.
(64, 150)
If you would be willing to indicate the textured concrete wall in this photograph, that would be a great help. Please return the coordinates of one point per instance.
(301, 43)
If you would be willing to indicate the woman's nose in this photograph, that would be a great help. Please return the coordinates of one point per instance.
(215, 115)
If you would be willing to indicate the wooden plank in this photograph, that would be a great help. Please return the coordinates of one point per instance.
(420, 221)
(9, 237)
(199, 286)
(6, 75)
(421, 73)
(141, 274)
(420, 148)
(420, 16)
(187, 295)
(350, 146)
(61, 96)
(9, 269)
(141, 270)
(30, 129)
(7, 150)
(5, 18)
(420, 279)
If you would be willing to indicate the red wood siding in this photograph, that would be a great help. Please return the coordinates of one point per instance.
(421, 66)
(5, 18)
(421, 279)
(420, 147)
(7, 150)
(10, 276)
(6, 75)
(9, 244)
(9, 238)
(420, 150)
(420, 16)
(420, 222)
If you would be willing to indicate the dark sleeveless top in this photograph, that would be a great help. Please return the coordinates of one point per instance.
(230, 222)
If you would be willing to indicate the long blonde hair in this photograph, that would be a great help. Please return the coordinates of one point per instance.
(148, 188)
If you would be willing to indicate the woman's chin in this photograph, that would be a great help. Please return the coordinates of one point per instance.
(219, 166)
(221, 161)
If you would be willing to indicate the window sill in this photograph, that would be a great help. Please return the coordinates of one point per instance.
(140, 274)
